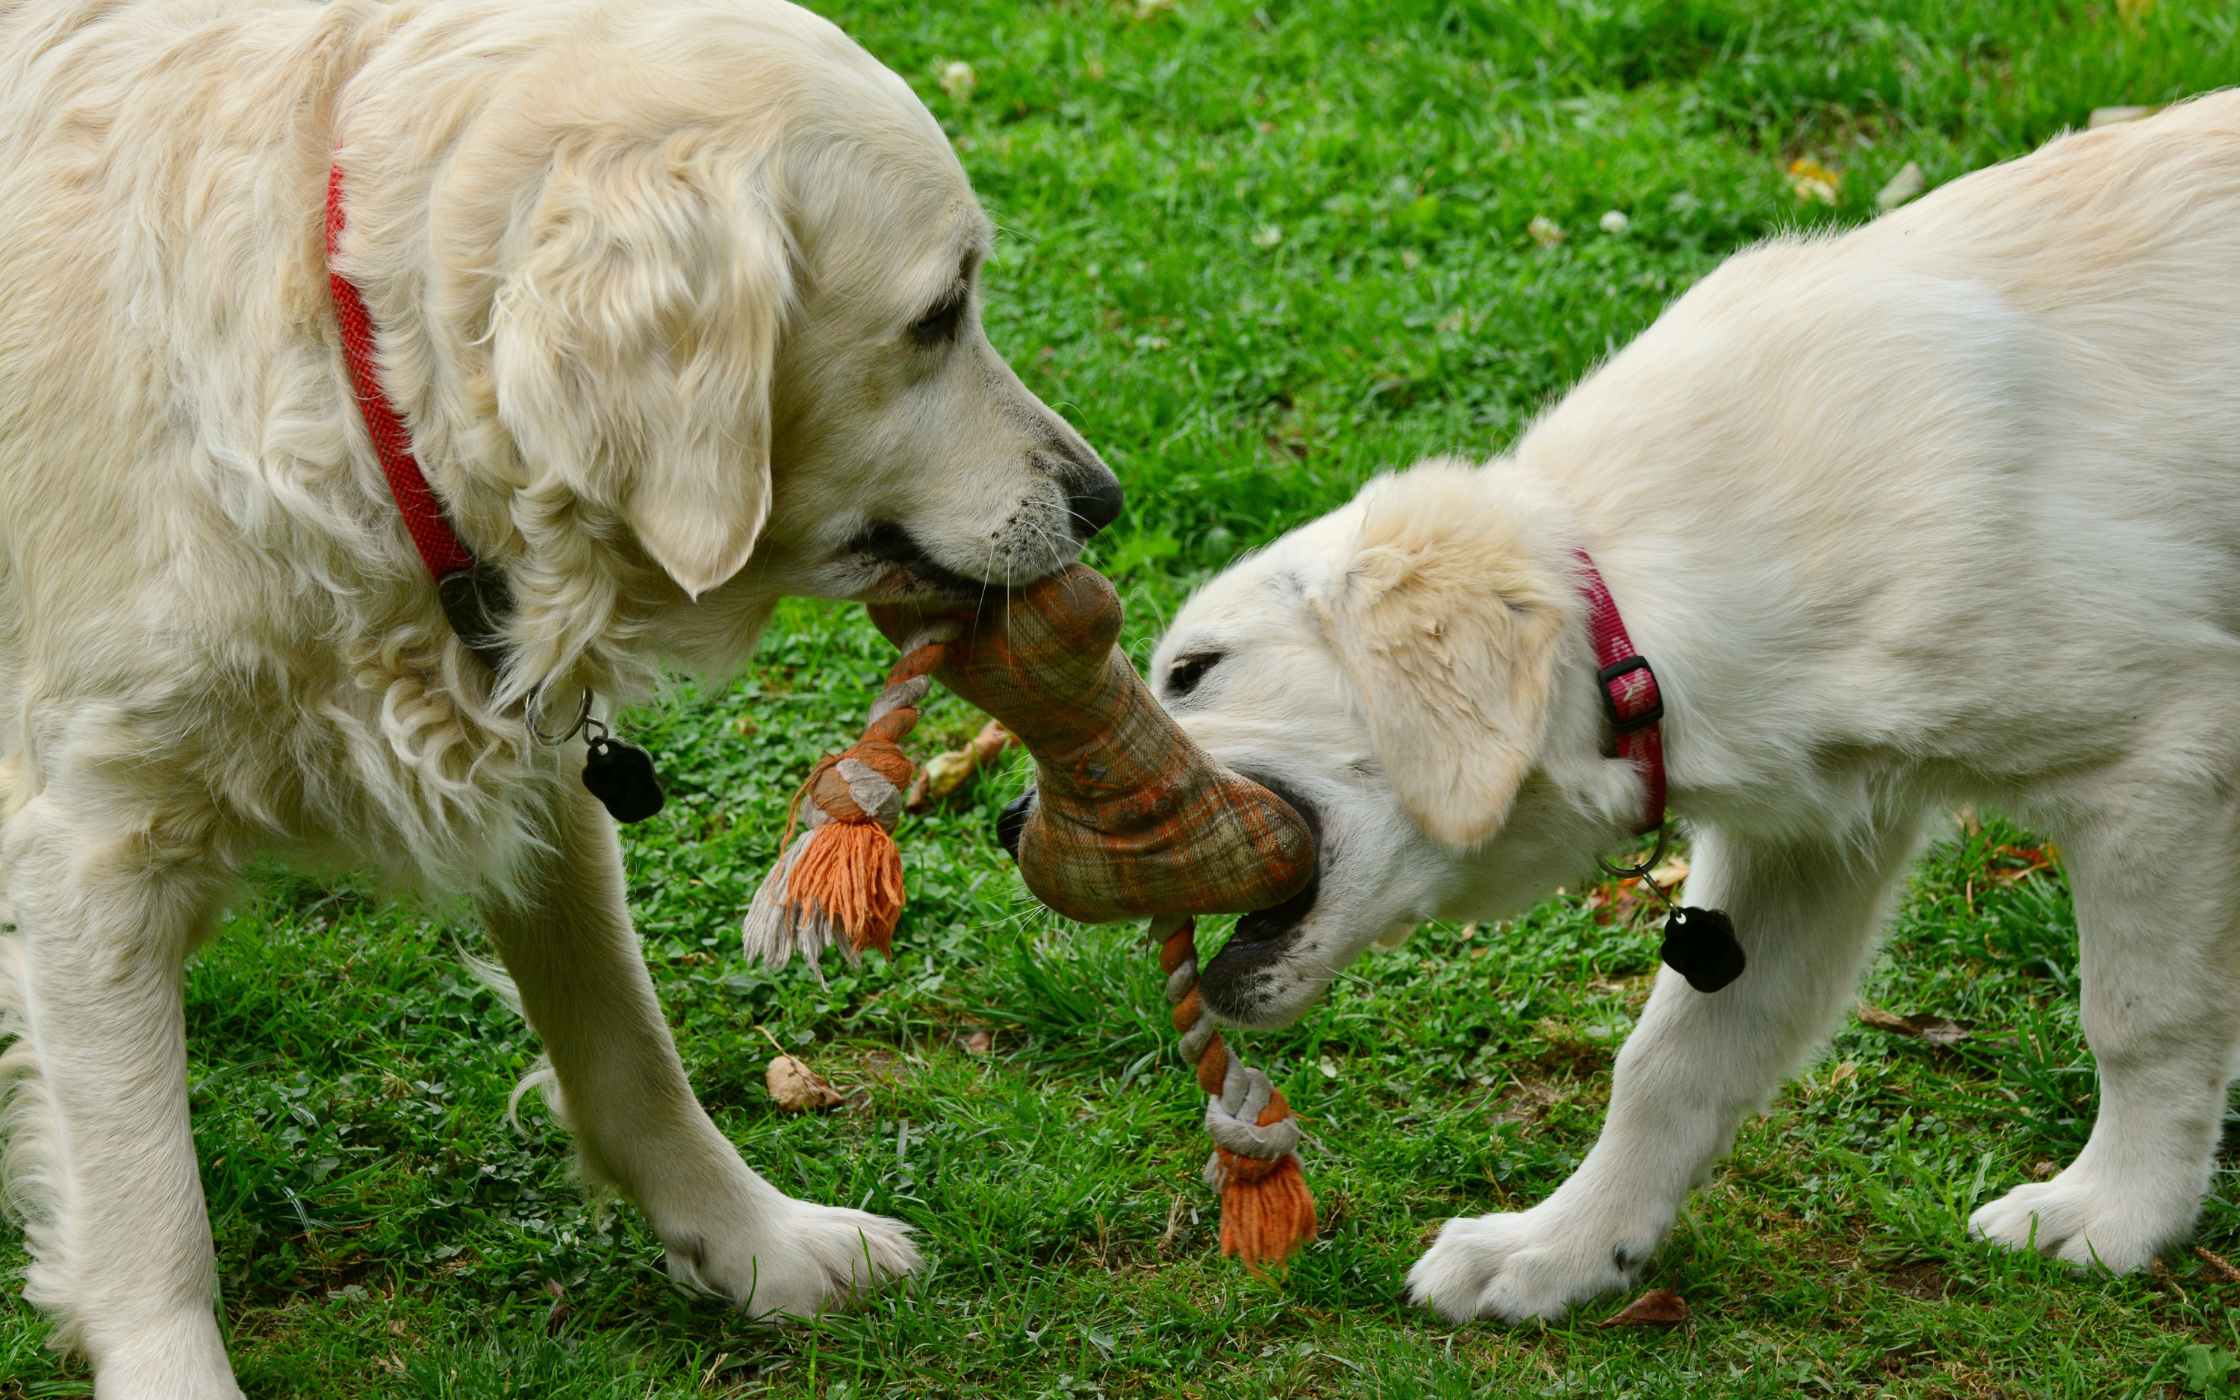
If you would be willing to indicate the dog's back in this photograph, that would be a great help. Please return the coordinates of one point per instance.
(1994, 433)
(152, 334)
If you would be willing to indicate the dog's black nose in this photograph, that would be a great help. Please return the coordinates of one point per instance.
(1095, 499)
(1012, 820)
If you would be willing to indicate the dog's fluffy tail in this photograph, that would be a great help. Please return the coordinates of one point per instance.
(541, 1077)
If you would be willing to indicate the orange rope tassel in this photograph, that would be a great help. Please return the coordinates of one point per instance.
(853, 871)
(840, 882)
(1267, 1212)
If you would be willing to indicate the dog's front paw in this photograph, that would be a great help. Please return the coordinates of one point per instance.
(1530, 1265)
(803, 1260)
(2084, 1223)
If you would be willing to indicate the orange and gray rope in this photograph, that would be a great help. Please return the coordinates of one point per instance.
(1255, 1133)
(849, 787)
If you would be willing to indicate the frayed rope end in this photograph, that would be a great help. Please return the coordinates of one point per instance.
(1267, 1212)
(839, 884)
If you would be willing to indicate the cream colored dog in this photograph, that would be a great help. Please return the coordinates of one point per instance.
(1946, 508)
(678, 300)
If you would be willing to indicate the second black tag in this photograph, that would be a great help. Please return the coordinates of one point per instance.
(1700, 945)
(621, 776)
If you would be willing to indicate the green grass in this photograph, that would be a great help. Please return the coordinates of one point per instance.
(1256, 252)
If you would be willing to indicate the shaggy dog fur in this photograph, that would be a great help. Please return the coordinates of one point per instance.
(677, 298)
(1944, 509)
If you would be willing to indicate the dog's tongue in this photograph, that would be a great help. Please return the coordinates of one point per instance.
(1131, 818)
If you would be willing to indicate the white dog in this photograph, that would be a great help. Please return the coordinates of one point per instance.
(677, 300)
(1945, 508)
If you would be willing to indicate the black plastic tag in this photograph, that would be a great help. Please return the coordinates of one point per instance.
(1700, 945)
(621, 776)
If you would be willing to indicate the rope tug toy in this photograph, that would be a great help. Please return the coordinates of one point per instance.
(840, 882)
(1266, 1209)
(1129, 820)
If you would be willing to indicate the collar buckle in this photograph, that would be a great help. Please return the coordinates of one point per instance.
(475, 600)
(1630, 708)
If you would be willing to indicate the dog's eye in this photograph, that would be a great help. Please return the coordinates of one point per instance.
(940, 324)
(1184, 675)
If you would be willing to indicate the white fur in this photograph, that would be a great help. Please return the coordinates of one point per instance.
(1947, 507)
(644, 273)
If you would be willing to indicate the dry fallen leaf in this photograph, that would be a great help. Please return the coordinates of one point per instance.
(943, 774)
(1659, 1307)
(1616, 901)
(795, 1086)
(2012, 863)
(1812, 181)
(1936, 1030)
(980, 1042)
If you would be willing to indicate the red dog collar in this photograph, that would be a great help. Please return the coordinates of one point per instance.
(1630, 698)
(1699, 944)
(473, 595)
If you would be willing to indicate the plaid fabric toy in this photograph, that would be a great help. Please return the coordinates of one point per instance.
(1131, 820)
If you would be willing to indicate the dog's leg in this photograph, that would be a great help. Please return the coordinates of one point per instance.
(1692, 1069)
(2157, 896)
(101, 1159)
(583, 985)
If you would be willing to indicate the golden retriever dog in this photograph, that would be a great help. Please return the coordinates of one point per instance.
(1946, 508)
(677, 300)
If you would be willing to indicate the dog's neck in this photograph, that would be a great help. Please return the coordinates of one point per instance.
(473, 595)
(425, 248)
(1602, 779)
(1632, 704)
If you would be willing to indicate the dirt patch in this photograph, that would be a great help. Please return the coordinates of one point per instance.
(1919, 1278)
(1530, 1100)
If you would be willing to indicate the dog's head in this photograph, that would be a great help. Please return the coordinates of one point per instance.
(1401, 671)
(722, 275)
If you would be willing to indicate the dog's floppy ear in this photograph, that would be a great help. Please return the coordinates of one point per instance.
(1449, 639)
(635, 344)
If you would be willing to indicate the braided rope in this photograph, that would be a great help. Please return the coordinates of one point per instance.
(838, 883)
(1266, 1210)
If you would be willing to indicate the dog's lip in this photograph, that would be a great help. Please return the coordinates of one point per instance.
(1277, 921)
(912, 571)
